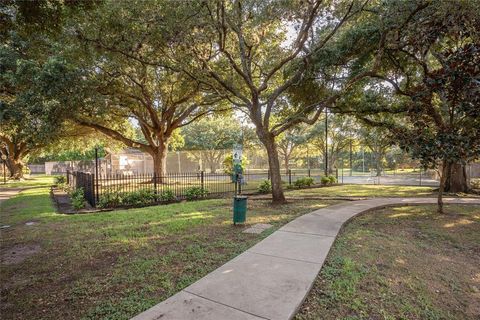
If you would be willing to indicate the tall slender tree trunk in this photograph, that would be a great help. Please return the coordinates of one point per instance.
(456, 178)
(378, 161)
(274, 165)
(286, 161)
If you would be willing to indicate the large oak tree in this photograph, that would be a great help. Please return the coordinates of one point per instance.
(254, 52)
(119, 49)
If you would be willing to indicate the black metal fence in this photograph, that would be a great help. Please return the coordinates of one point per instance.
(105, 190)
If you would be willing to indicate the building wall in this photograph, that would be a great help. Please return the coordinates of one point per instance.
(36, 168)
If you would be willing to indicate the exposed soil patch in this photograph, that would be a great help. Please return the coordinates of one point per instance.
(18, 253)
(63, 203)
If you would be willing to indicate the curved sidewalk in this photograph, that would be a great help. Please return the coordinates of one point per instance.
(271, 279)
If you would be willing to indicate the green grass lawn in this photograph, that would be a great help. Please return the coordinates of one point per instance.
(402, 263)
(357, 190)
(37, 180)
(113, 265)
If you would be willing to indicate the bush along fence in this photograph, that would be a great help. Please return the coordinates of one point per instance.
(109, 191)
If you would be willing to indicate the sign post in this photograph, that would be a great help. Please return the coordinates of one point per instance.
(239, 202)
(237, 167)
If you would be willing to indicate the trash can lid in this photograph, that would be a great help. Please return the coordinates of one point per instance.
(240, 197)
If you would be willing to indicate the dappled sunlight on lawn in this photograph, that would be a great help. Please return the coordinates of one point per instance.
(30, 181)
(364, 191)
(399, 215)
(457, 223)
(401, 262)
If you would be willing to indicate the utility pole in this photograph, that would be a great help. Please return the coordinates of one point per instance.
(326, 142)
(96, 176)
(351, 162)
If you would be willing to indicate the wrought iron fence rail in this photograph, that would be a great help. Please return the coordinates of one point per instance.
(98, 188)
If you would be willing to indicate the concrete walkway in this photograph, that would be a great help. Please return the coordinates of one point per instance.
(271, 279)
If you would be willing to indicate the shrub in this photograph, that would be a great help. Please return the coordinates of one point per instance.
(265, 186)
(303, 182)
(26, 170)
(167, 195)
(138, 198)
(475, 183)
(77, 197)
(60, 180)
(109, 199)
(325, 180)
(193, 193)
(113, 198)
(332, 179)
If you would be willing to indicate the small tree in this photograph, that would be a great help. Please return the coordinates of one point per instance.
(210, 137)
(340, 130)
(290, 142)
(378, 141)
(125, 80)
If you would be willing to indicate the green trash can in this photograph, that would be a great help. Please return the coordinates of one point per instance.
(239, 209)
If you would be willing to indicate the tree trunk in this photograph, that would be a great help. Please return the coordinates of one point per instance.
(379, 166)
(15, 167)
(211, 160)
(456, 179)
(213, 167)
(286, 160)
(160, 162)
(274, 165)
(443, 178)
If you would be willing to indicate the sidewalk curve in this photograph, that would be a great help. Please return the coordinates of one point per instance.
(271, 279)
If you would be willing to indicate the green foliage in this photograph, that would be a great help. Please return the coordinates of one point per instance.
(303, 182)
(228, 164)
(137, 85)
(475, 183)
(138, 198)
(113, 198)
(59, 180)
(217, 133)
(332, 179)
(110, 199)
(77, 197)
(67, 154)
(265, 186)
(325, 180)
(167, 195)
(431, 108)
(194, 193)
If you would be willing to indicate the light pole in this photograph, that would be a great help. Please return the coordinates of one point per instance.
(326, 142)
(363, 161)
